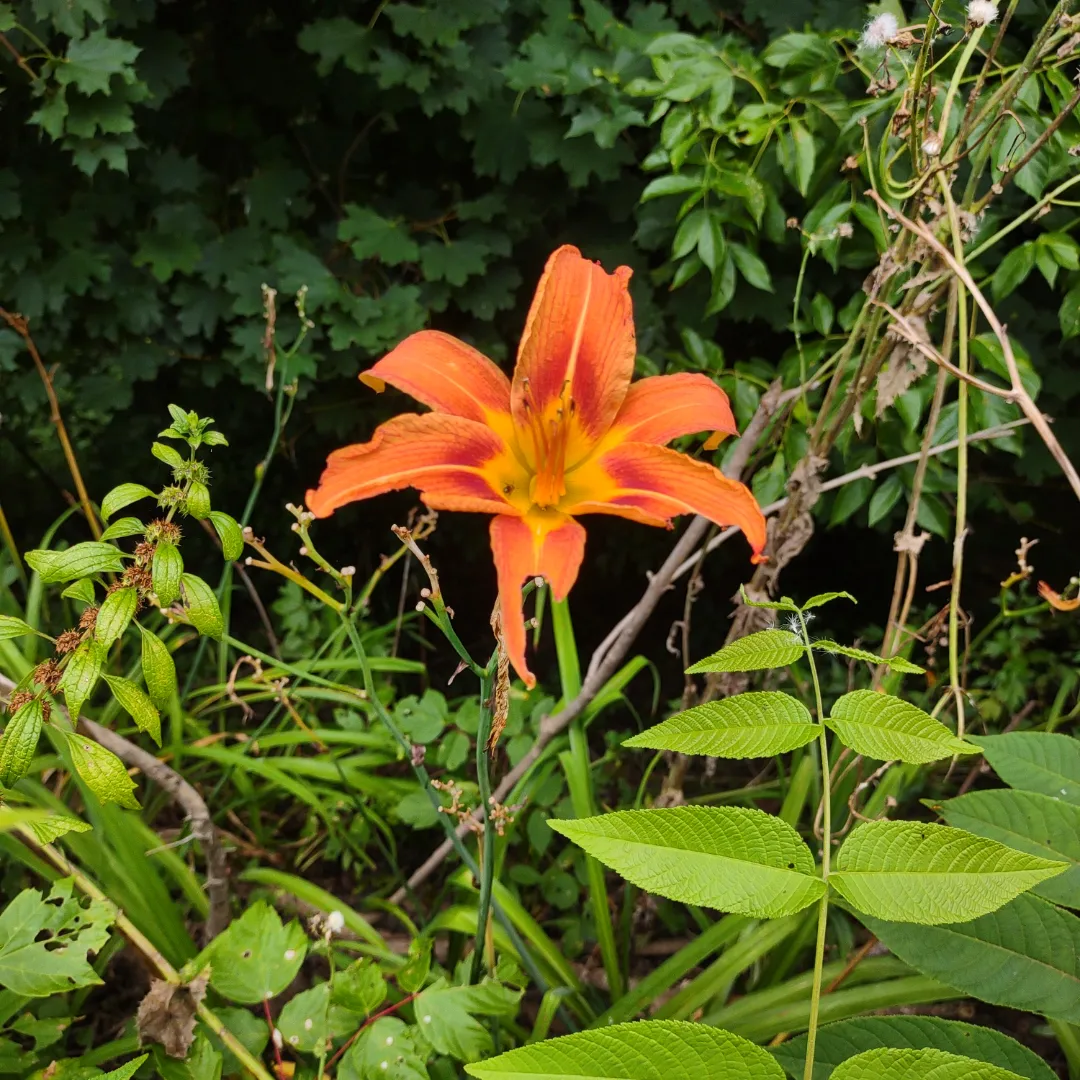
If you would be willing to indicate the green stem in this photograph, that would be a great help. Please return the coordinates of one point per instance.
(954, 85)
(487, 852)
(826, 851)
(579, 778)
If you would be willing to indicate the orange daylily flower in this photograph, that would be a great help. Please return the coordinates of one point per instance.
(569, 435)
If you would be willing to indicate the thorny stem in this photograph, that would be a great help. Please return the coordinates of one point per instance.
(826, 845)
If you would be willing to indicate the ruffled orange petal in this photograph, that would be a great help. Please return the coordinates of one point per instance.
(446, 458)
(577, 353)
(652, 484)
(663, 407)
(445, 374)
(547, 544)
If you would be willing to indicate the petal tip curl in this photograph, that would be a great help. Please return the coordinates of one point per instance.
(373, 381)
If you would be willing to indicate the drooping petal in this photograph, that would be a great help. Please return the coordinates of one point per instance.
(547, 544)
(652, 484)
(577, 353)
(1056, 600)
(663, 407)
(445, 374)
(447, 458)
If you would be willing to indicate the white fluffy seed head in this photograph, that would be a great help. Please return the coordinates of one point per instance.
(335, 922)
(931, 146)
(981, 12)
(880, 30)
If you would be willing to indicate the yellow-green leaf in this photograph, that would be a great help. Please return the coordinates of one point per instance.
(114, 615)
(19, 741)
(137, 705)
(166, 571)
(102, 771)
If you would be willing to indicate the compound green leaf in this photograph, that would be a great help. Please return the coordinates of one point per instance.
(257, 956)
(649, 1050)
(121, 527)
(1028, 822)
(838, 1042)
(229, 533)
(755, 652)
(102, 771)
(896, 663)
(1036, 761)
(10, 627)
(115, 613)
(729, 858)
(890, 729)
(166, 571)
(124, 495)
(886, 1063)
(743, 726)
(826, 598)
(79, 560)
(908, 871)
(81, 675)
(158, 668)
(1025, 955)
(19, 741)
(447, 1016)
(137, 705)
(202, 606)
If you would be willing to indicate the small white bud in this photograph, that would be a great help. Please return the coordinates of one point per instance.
(278, 1040)
(348, 571)
(420, 605)
(880, 31)
(931, 146)
(538, 582)
(335, 922)
(981, 12)
(303, 549)
(425, 592)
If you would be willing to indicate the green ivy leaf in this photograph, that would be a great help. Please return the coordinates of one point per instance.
(10, 627)
(103, 772)
(648, 1050)
(92, 61)
(166, 570)
(229, 533)
(19, 741)
(116, 611)
(257, 956)
(895, 663)
(137, 705)
(890, 729)
(121, 527)
(889, 1064)
(158, 669)
(446, 1015)
(755, 652)
(198, 500)
(80, 676)
(909, 871)
(124, 495)
(202, 607)
(743, 726)
(80, 560)
(1042, 761)
(729, 858)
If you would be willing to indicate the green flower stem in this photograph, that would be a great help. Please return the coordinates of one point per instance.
(141, 942)
(579, 778)
(954, 85)
(487, 843)
(826, 851)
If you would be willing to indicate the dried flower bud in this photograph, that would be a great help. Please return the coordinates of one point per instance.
(18, 700)
(88, 619)
(47, 674)
(67, 642)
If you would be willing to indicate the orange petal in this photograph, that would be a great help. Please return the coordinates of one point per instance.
(653, 484)
(663, 407)
(445, 457)
(1056, 600)
(445, 374)
(579, 337)
(541, 543)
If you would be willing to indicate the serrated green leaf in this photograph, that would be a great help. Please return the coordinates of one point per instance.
(648, 1050)
(729, 858)
(158, 669)
(19, 741)
(785, 603)
(446, 1015)
(360, 987)
(121, 527)
(53, 826)
(124, 495)
(80, 560)
(896, 663)
(198, 500)
(386, 1049)
(93, 60)
(7, 18)
(125, 1072)
(840, 1041)
(116, 611)
(83, 590)
(1026, 821)
(827, 597)
(755, 652)
(102, 771)
(201, 606)
(166, 571)
(744, 726)
(10, 627)
(909, 871)
(412, 976)
(257, 956)
(889, 1064)
(137, 705)
(80, 676)
(229, 533)
(309, 1023)
(890, 729)
(44, 942)
(1025, 955)
(167, 454)
(1042, 761)
(371, 236)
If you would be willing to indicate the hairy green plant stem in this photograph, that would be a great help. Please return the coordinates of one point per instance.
(826, 852)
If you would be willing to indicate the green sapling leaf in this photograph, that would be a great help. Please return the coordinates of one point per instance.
(19, 741)
(115, 613)
(102, 771)
(755, 652)
(229, 533)
(166, 571)
(137, 705)
(202, 607)
(80, 560)
(123, 495)
(158, 668)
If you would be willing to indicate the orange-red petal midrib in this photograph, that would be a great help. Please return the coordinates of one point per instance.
(445, 374)
(434, 453)
(663, 407)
